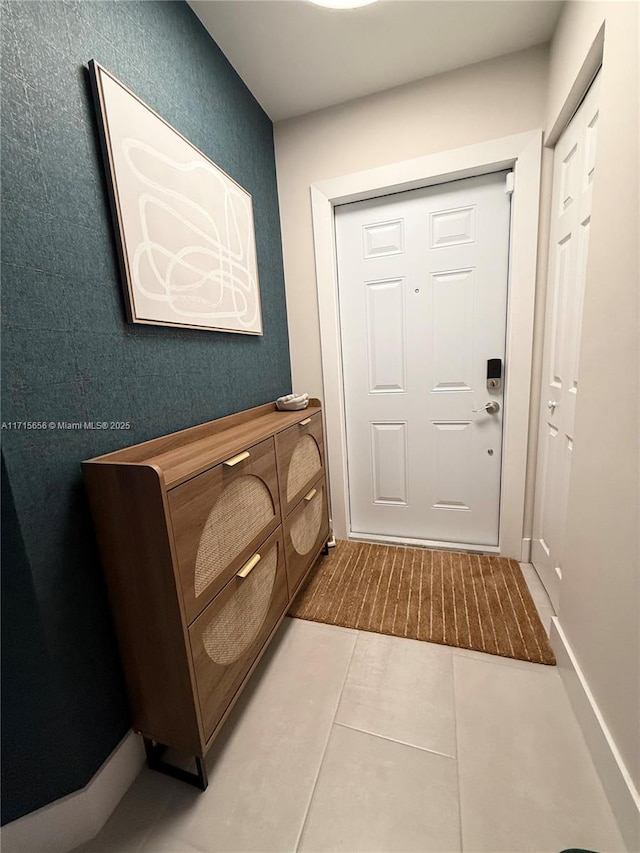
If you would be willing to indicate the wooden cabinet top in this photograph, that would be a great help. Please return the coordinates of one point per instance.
(181, 455)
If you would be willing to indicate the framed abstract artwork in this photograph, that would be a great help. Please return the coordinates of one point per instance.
(185, 228)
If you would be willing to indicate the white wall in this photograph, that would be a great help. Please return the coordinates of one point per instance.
(473, 104)
(600, 596)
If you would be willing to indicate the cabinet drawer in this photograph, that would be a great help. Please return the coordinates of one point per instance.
(300, 452)
(219, 519)
(227, 637)
(305, 532)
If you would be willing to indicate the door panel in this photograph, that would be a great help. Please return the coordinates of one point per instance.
(386, 341)
(384, 238)
(452, 465)
(389, 463)
(422, 286)
(452, 311)
(574, 170)
(452, 227)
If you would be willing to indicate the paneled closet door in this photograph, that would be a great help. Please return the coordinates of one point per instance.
(573, 177)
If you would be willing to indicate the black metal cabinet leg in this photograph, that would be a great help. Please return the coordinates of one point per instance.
(325, 550)
(155, 751)
(203, 779)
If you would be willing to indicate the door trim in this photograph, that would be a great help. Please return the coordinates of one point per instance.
(520, 152)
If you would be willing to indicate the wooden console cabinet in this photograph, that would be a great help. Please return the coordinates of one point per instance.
(206, 535)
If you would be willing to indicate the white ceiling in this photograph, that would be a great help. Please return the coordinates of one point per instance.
(296, 57)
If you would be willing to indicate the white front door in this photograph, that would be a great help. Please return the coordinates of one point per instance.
(423, 288)
(574, 164)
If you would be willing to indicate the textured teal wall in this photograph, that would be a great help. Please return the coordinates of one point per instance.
(69, 354)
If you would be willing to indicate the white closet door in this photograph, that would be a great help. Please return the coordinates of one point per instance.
(574, 166)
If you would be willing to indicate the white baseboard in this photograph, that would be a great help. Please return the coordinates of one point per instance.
(525, 556)
(616, 780)
(78, 817)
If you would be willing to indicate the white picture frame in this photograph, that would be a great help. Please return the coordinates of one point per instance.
(185, 229)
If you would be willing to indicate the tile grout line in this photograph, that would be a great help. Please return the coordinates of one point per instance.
(326, 744)
(455, 728)
(501, 660)
(395, 740)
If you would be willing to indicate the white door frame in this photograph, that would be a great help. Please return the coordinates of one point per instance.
(520, 152)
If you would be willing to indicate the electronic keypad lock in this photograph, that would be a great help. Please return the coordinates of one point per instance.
(494, 374)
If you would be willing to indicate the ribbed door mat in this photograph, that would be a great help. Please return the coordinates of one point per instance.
(465, 600)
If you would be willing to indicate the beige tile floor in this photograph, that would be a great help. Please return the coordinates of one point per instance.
(350, 741)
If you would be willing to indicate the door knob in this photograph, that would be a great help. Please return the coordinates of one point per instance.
(551, 404)
(491, 408)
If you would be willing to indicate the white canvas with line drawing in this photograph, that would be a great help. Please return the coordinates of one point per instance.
(186, 228)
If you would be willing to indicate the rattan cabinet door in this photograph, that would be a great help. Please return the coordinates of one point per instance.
(227, 637)
(219, 518)
(306, 530)
(300, 452)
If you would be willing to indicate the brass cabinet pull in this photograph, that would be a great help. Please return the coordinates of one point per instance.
(235, 459)
(305, 422)
(311, 495)
(249, 566)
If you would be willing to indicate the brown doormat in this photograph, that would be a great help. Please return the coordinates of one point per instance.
(465, 600)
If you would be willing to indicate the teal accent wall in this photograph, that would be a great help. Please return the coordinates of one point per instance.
(68, 353)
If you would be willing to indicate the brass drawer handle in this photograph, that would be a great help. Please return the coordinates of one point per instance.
(249, 566)
(235, 459)
(305, 422)
(311, 495)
